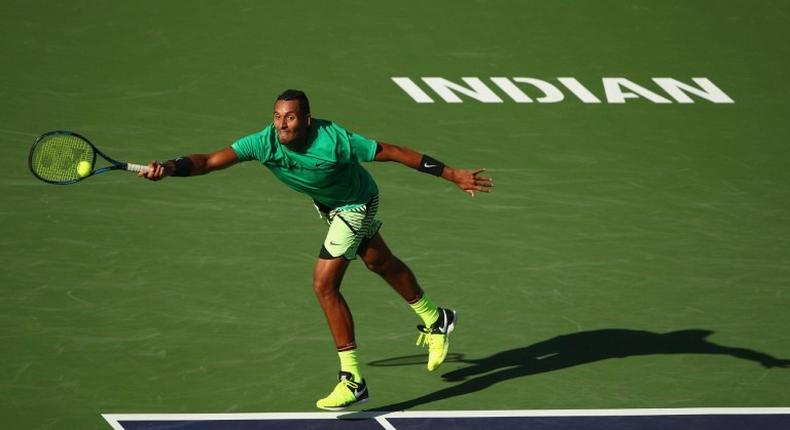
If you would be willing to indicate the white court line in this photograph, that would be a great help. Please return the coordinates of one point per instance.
(381, 417)
(384, 423)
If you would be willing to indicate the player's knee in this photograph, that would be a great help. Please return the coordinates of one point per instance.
(324, 289)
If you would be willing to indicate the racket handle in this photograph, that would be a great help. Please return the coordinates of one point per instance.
(136, 167)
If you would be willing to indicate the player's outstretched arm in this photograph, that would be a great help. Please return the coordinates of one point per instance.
(191, 165)
(469, 181)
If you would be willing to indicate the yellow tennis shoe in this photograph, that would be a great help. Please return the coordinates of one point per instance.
(347, 392)
(437, 337)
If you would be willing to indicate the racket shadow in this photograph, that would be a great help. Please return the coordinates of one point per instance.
(566, 351)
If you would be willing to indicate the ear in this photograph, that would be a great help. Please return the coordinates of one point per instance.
(309, 120)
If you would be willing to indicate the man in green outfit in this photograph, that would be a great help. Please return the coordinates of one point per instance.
(321, 159)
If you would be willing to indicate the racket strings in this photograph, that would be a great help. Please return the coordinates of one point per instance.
(56, 158)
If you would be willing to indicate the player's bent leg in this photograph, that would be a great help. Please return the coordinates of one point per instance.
(439, 322)
(351, 387)
(348, 228)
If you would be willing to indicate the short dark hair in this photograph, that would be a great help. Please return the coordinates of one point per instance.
(304, 104)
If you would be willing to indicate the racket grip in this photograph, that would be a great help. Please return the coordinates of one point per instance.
(136, 167)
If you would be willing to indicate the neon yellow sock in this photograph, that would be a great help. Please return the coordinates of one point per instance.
(349, 363)
(426, 310)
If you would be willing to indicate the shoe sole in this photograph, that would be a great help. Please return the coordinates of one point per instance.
(342, 408)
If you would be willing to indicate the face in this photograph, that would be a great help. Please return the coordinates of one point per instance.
(291, 125)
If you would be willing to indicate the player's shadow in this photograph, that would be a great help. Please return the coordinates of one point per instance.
(567, 351)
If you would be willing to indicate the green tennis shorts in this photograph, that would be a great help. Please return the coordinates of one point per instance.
(350, 227)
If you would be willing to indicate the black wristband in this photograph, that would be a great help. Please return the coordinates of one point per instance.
(183, 166)
(431, 166)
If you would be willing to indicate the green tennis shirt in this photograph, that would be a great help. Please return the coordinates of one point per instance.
(329, 170)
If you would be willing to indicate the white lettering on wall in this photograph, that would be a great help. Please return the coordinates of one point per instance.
(617, 90)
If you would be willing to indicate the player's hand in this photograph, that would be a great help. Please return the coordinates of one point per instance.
(471, 181)
(156, 171)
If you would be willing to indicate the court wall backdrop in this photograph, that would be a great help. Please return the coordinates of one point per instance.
(633, 254)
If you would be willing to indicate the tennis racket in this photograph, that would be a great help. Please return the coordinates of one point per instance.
(56, 155)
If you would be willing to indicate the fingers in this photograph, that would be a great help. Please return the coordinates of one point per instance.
(155, 171)
(482, 183)
(481, 187)
(470, 182)
(482, 178)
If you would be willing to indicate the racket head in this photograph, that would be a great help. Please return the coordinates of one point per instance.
(55, 155)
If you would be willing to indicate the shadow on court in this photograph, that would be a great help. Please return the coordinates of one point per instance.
(567, 351)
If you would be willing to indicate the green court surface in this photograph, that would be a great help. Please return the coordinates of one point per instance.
(632, 255)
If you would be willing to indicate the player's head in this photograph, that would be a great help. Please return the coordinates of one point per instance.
(300, 96)
(292, 117)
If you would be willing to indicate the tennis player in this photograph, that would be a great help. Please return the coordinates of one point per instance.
(321, 159)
